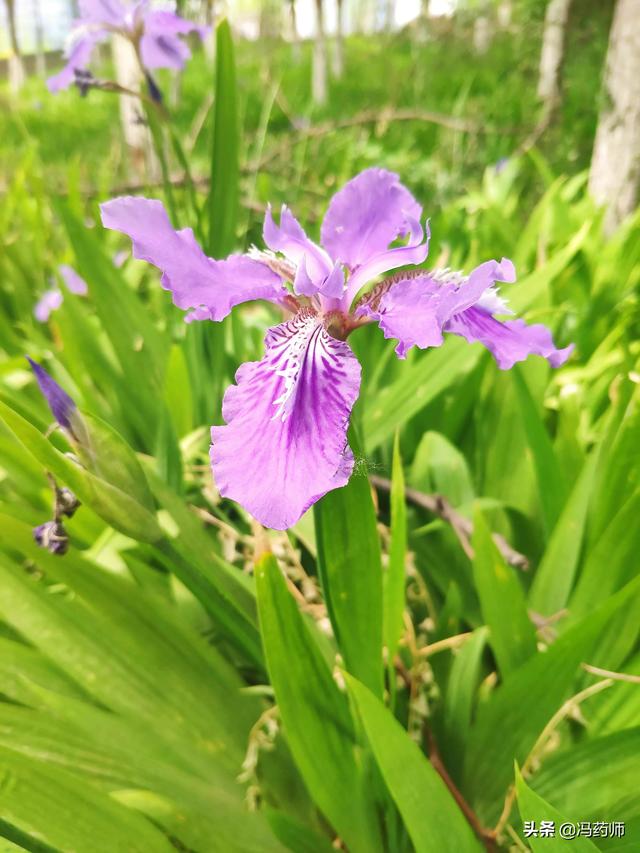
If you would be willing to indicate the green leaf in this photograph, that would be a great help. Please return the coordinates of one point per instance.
(512, 635)
(51, 806)
(508, 724)
(431, 815)
(394, 577)
(596, 779)
(554, 577)
(315, 713)
(533, 808)
(422, 380)
(551, 485)
(460, 697)
(350, 568)
(619, 472)
(116, 507)
(223, 198)
(614, 549)
(296, 836)
(106, 454)
(438, 466)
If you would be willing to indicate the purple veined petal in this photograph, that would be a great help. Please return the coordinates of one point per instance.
(415, 310)
(78, 55)
(60, 403)
(290, 240)
(366, 216)
(508, 341)
(211, 287)
(50, 301)
(284, 445)
(161, 45)
(74, 282)
(414, 253)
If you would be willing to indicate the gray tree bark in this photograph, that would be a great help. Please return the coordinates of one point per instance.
(319, 60)
(553, 40)
(337, 64)
(137, 136)
(614, 178)
(16, 66)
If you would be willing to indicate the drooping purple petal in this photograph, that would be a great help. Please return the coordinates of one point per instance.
(508, 341)
(74, 282)
(416, 310)
(161, 45)
(210, 287)
(366, 216)
(78, 56)
(285, 442)
(50, 301)
(61, 405)
(290, 239)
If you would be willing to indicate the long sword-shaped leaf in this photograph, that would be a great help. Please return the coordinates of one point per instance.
(316, 715)
(431, 815)
(351, 572)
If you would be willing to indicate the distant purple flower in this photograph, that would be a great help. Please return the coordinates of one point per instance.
(74, 282)
(284, 444)
(155, 34)
(60, 403)
(50, 301)
(53, 298)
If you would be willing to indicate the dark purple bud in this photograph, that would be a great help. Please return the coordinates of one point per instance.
(60, 403)
(84, 80)
(52, 536)
(154, 90)
(67, 502)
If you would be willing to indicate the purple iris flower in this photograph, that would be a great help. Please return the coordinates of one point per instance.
(49, 302)
(156, 35)
(284, 444)
(53, 298)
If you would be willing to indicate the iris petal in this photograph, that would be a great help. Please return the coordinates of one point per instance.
(509, 341)
(366, 216)
(195, 281)
(416, 310)
(285, 441)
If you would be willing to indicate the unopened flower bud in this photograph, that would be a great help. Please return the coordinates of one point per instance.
(68, 503)
(52, 536)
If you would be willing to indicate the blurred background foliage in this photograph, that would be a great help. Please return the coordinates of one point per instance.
(162, 690)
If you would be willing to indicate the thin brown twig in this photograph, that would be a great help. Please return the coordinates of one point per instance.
(371, 117)
(462, 527)
(487, 836)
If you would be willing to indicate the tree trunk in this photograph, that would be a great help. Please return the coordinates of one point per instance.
(142, 159)
(16, 66)
(293, 27)
(614, 179)
(482, 34)
(505, 14)
(553, 39)
(319, 63)
(41, 62)
(337, 66)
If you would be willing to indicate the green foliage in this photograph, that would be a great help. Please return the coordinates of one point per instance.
(182, 680)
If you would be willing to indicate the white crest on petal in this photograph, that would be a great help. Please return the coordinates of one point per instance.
(288, 367)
